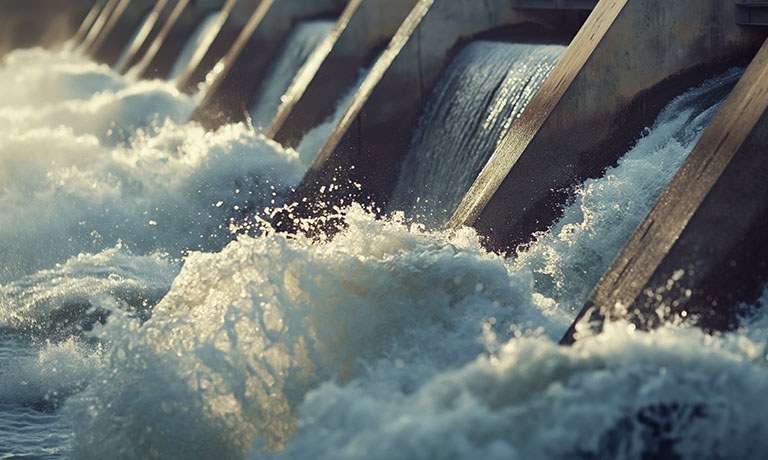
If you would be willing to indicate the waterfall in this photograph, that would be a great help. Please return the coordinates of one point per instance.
(471, 108)
(302, 41)
(202, 38)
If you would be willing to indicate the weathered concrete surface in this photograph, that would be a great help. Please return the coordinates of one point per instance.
(149, 29)
(230, 23)
(87, 23)
(27, 23)
(166, 47)
(629, 59)
(703, 248)
(364, 27)
(371, 140)
(126, 17)
(243, 68)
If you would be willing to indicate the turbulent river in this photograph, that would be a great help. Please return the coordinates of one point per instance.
(135, 322)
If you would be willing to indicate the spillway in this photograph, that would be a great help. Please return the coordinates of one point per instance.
(297, 49)
(151, 306)
(201, 39)
(482, 92)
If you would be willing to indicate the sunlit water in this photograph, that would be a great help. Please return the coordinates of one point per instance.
(484, 89)
(387, 341)
(200, 41)
(297, 49)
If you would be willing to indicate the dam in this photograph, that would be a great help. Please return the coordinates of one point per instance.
(383, 229)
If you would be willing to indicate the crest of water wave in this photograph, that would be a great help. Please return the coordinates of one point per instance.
(65, 89)
(392, 337)
(199, 42)
(484, 89)
(296, 50)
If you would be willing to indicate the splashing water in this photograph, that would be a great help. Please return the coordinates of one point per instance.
(387, 340)
(485, 88)
(297, 49)
(200, 41)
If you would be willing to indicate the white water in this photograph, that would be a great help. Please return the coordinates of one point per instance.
(484, 89)
(199, 43)
(297, 49)
(388, 341)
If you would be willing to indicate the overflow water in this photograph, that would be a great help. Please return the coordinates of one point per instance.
(484, 89)
(199, 42)
(297, 49)
(388, 339)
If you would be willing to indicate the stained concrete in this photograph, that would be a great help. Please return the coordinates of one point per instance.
(629, 59)
(243, 68)
(702, 249)
(364, 27)
(150, 28)
(28, 23)
(232, 19)
(183, 21)
(125, 18)
(370, 142)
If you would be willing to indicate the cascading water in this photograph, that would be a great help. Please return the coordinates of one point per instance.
(481, 93)
(388, 340)
(299, 46)
(200, 41)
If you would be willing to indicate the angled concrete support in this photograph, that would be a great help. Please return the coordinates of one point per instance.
(365, 26)
(144, 36)
(98, 25)
(88, 22)
(126, 18)
(703, 247)
(630, 58)
(243, 68)
(234, 15)
(184, 19)
(371, 140)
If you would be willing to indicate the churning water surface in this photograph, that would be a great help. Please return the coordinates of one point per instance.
(134, 324)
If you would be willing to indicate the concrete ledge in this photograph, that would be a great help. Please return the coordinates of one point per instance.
(629, 59)
(149, 29)
(126, 17)
(370, 142)
(231, 21)
(364, 26)
(181, 24)
(707, 230)
(243, 68)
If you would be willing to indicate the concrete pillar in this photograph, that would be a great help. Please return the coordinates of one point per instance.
(628, 61)
(149, 29)
(372, 139)
(126, 17)
(243, 68)
(231, 22)
(365, 26)
(166, 47)
(703, 248)
(87, 23)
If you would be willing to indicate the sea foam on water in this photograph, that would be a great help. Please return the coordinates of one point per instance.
(148, 330)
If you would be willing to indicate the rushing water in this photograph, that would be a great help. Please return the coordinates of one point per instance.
(387, 341)
(297, 49)
(199, 42)
(484, 89)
